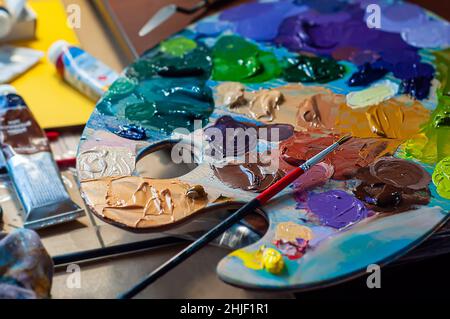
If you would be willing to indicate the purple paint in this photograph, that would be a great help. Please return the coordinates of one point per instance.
(415, 26)
(231, 141)
(336, 208)
(367, 74)
(260, 21)
(429, 34)
(398, 16)
(347, 33)
(324, 6)
(323, 34)
(416, 78)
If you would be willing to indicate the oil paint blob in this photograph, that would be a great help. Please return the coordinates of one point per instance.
(312, 69)
(336, 208)
(441, 177)
(372, 95)
(269, 259)
(393, 185)
(231, 143)
(254, 177)
(236, 59)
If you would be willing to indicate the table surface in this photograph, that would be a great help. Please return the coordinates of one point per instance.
(196, 278)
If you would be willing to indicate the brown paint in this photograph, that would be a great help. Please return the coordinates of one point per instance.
(253, 176)
(393, 185)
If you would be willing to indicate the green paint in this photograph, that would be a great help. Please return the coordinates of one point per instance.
(194, 62)
(120, 88)
(178, 46)
(441, 177)
(170, 103)
(165, 89)
(312, 69)
(236, 59)
(116, 106)
(442, 62)
(432, 145)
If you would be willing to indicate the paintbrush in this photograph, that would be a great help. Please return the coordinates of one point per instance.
(258, 201)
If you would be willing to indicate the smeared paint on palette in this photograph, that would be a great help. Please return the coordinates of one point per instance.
(314, 71)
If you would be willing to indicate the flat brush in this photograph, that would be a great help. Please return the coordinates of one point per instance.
(258, 201)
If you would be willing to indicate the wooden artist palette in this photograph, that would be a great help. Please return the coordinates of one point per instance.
(314, 72)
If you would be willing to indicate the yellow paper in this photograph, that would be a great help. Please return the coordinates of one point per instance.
(53, 102)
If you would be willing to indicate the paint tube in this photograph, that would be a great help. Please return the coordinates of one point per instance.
(14, 61)
(80, 69)
(31, 166)
(10, 11)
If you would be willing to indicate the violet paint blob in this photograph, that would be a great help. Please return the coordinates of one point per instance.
(337, 208)
(260, 21)
(229, 130)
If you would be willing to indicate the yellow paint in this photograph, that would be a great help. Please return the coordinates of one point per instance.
(290, 231)
(53, 102)
(273, 260)
(250, 259)
(263, 258)
(399, 118)
(370, 96)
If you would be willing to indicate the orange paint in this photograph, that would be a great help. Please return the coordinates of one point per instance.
(399, 118)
